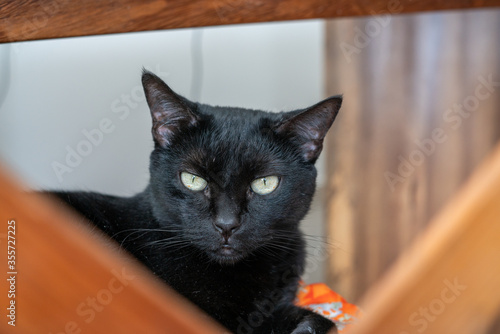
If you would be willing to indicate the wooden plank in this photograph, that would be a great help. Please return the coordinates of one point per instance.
(448, 281)
(68, 279)
(37, 19)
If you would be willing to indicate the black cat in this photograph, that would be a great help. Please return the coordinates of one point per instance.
(219, 219)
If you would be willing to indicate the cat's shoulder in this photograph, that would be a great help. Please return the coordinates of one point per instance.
(103, 209)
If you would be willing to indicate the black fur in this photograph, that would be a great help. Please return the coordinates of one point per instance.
(247, 276)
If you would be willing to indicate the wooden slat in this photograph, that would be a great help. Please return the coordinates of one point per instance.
(448, 281)
(32, 19)
(69, 280)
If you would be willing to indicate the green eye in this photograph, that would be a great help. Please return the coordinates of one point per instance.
(193, 182)
(265, 185)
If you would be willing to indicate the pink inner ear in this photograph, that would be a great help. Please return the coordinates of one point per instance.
(312, 149)
(314, 134)
(162, 133)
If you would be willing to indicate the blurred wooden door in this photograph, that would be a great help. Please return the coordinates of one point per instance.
(421, 110)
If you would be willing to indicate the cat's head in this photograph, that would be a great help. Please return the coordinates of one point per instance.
(232, 181)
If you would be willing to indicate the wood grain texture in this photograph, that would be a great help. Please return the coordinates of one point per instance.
(400, 87)
(448, 281)
(36, 19)
(70, 280)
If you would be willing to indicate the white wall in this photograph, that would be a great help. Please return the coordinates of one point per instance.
(55, 89)
(59, 88)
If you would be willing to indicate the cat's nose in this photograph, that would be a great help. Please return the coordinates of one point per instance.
(226, 226)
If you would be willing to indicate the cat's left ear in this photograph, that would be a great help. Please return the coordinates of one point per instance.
(170, 112)
(309, 127)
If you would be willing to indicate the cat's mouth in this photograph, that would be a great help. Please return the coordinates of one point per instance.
(227, 255)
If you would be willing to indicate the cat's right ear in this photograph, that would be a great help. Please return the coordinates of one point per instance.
(308, 128)
(170, 113)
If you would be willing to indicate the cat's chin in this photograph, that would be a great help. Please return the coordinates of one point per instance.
(226, 256)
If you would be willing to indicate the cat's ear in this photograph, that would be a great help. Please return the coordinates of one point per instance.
(171, 113)
(309, 127)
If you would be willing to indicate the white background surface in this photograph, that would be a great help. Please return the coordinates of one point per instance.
(53, 90)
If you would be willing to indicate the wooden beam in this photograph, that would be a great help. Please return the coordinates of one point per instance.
(448, 281)
(37, 19)
(67, 278)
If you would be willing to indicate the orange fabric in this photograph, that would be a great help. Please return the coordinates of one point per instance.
(319, 298)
